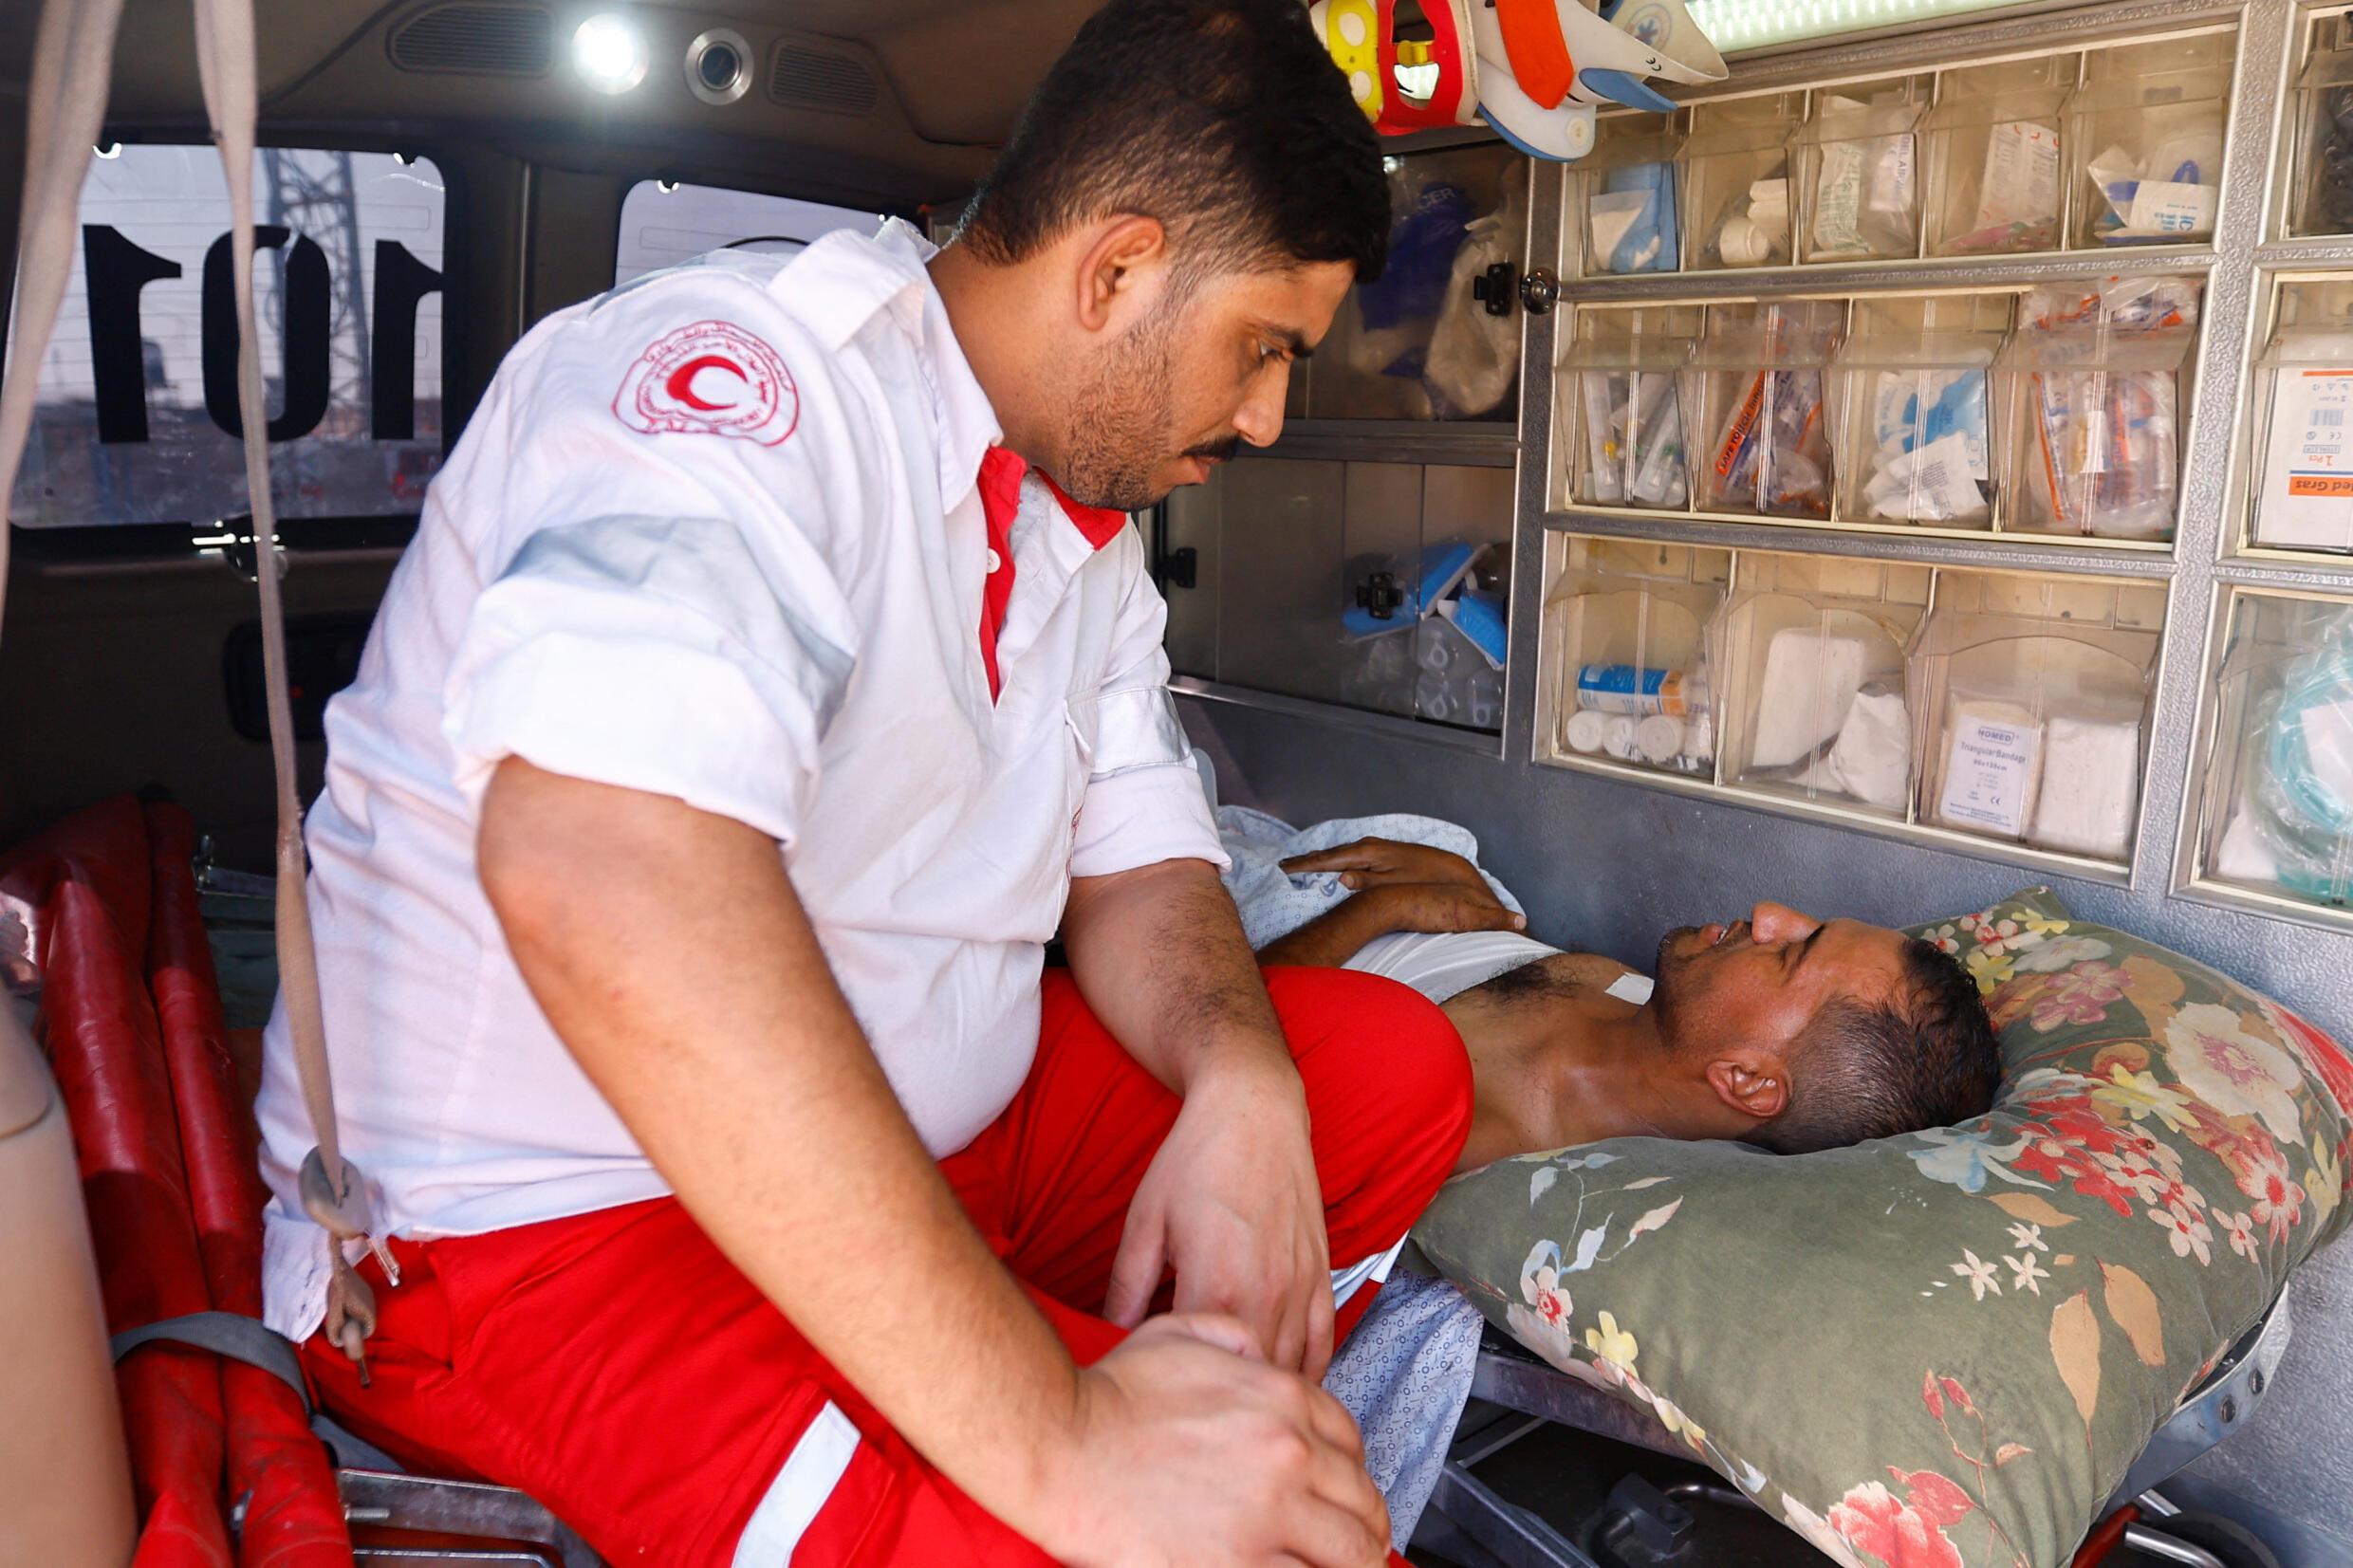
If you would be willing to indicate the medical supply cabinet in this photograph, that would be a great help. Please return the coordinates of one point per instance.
(1941, 436)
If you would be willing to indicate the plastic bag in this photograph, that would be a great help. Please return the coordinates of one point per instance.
(1474, 355)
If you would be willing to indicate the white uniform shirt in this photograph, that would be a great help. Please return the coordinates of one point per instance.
(717, 535)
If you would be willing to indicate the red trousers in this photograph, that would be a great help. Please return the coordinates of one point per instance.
(616, 1367)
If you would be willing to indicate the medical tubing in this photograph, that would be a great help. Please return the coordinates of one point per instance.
(2307, 824)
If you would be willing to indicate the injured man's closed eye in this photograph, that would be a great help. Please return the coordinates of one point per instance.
(1782, 1030)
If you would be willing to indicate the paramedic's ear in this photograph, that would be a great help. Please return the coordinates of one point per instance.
(1755, 1085)
(1121, 270)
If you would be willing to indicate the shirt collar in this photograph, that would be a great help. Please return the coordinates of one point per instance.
(846, 279)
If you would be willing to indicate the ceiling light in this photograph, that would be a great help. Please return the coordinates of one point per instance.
(609, 52)
(112, 148)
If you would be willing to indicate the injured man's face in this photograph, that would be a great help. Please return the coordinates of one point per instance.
(1791, 1033)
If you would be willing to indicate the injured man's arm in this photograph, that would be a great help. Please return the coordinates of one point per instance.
(1784, 1031)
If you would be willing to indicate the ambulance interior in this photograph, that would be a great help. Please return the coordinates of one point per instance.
(1799, 494)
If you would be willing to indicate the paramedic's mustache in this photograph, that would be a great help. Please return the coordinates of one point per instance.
(1216, 451)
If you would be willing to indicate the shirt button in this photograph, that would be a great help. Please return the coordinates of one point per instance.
(997, 563)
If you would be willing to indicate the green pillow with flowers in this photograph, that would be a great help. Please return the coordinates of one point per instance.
(1945, 1349)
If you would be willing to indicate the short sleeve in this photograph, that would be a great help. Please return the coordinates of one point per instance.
(1144, 802)
(651, 653)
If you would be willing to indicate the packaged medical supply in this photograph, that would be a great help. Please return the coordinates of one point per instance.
(1634, 437)
(2303, 783)
(2091, 779)
(1755, 231)
(2018, 195)
(2099, 380)
(1872, 759)
(1633, 219)
(2304, 496)
(2169, 195)
(1929, 463)
(1993, 767)
(1811, 680)
(1480, 619)
(1771, 455)
(1660, 738)
(1584, 731)
(1617, 735)
(2328, 199)
(1628, 688)
(1867, 177)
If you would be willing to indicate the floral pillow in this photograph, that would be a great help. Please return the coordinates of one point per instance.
(1946, 1349)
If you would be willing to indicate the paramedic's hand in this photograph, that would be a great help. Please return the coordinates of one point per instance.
(1231, 1202)
(1189, 1450)
(1377, 863)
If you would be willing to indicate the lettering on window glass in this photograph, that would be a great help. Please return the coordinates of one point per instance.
(138, 418)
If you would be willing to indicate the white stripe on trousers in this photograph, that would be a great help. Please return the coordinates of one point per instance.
(822, 1456)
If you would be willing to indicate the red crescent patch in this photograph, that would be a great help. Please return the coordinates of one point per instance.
(658, 395)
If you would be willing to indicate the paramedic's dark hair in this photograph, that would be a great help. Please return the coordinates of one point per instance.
(1222, 119)
(1929, 1059)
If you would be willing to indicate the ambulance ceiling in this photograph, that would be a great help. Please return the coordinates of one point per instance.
(907, 97)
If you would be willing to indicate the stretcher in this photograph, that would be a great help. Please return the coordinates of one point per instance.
(1515, 1394)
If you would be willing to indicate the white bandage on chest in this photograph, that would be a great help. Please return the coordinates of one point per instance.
(1633, 988)
(2091, 775)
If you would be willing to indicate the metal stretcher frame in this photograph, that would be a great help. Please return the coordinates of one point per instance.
(1480, 1528)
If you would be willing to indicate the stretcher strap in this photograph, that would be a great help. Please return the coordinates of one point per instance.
(65, 112)
(230, 1334)
(334, 1193)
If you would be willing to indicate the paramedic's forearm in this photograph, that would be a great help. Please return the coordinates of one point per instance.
(671, 953)
(677, 964)
(1160, 956)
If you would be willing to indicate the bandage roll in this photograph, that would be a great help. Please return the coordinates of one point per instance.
(1618, 736)
(1660, 738)
(1586, 730)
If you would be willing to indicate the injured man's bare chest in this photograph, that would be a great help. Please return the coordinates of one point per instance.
(1782, 1030)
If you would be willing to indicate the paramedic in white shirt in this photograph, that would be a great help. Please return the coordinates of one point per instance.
(749, 712)
(1781, 1031)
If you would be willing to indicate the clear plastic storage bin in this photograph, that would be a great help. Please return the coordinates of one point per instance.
(1911, 392)
(1622, 419)
(1754, 390)
(1997, 181)
(1378, 585)
(2279, 785)
(1628, 196)
(2320, 132)
(1859, 171)
(2300, 487)
(2144, 136)
(1419, 342)
(1738, 194)
(1625, 641)
(1811, 653)
(2032, 703)
(2096, 388)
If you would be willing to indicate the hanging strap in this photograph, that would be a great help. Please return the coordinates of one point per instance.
(66, 111)
(333, 1191)
(230, 1334)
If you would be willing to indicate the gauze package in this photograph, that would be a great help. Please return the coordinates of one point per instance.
(1755, 232)
(1809, 683)
(2305, 497)
(1866, 191)
(2091, 779)
(1929, 463)
(1872, 760)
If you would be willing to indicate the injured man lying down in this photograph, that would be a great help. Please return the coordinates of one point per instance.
(1781, 1031)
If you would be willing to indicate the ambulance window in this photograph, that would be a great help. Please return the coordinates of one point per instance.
(137, 418)
(663, 223)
